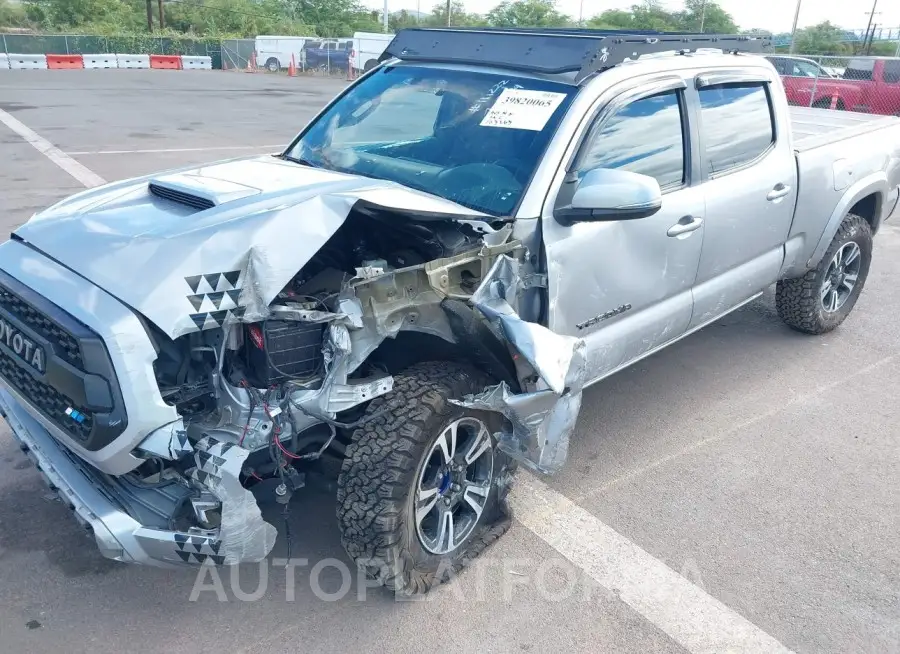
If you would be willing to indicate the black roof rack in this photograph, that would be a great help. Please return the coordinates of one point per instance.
(554, 51)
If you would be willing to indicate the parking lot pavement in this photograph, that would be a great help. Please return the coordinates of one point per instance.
(759, 465)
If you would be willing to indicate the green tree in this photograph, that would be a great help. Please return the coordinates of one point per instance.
(527, 13)
(652, 15)
(12, 15)
(74, 13)
(824, 38)
(706, 14)
(648, 15)
(458, 16)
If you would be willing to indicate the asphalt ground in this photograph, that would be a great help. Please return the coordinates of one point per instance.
(745, 478)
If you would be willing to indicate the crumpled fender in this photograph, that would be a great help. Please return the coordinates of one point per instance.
(542, 420)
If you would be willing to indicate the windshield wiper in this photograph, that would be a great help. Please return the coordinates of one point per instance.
(300, 160)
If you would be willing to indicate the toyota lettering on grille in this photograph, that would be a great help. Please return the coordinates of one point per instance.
(24, 348)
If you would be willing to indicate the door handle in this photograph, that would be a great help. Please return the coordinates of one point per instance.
(778, 192)
(685, 226)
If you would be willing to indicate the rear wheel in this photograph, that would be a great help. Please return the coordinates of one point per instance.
(273, 65)
(823, 298)
(423, 488)
(370, 64)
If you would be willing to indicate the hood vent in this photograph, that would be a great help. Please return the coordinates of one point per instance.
(167, 193)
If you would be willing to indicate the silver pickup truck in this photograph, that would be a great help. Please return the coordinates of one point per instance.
(421, 285)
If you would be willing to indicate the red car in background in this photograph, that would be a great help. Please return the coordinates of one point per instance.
(869, 85)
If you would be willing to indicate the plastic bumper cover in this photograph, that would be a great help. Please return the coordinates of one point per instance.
(90, 494)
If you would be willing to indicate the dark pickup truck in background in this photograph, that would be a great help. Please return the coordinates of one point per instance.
(327, 54)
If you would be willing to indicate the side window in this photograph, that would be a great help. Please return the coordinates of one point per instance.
(892, 71)
(781, 66)
(736, 123)
(646, 137)
(806, 69)
(860, 69)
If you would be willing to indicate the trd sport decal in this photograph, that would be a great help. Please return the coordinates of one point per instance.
(213, 296)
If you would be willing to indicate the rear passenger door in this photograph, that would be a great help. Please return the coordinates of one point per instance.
(750, 184)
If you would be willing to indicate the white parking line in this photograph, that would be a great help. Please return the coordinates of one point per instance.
(83, 174)
(273, 148)
(697, 621)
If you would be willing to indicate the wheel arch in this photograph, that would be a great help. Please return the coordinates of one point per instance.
(865, 199)
(473, 343)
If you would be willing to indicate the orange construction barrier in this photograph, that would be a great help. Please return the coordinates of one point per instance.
(170, 62)
(65, 61)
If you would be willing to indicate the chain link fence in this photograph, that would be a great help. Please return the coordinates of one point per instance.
(864, 84)
(310, 56)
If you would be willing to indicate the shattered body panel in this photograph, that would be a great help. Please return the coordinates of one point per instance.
(542, 420)
(188, 271)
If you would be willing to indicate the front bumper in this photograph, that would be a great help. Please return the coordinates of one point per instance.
(108, 507)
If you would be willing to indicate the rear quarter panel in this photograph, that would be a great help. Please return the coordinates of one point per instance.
(833, 178)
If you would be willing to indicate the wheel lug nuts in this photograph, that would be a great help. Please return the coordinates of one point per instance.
(446, 501)
(454, 487)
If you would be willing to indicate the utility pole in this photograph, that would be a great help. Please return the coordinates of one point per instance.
(581, 14)
(162, 17)
(702, 16)
(385, 18)
(869, 26)
(448, 13)
(150, 15)
(794, 28)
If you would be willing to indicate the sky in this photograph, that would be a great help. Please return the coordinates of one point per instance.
(774, 15)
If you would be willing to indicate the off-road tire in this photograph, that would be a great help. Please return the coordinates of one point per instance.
(798, 301)
(376, 485)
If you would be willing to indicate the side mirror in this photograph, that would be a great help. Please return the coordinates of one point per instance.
(606, 194)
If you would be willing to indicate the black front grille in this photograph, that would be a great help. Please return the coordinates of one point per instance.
(51, 402)
(195, 201)
(65, 344)
(75, 386)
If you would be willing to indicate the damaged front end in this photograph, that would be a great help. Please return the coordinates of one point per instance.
(269, 393)
(272, 375)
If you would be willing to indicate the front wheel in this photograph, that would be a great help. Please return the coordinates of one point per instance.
(823, 298)
(423, 488)
(273, 65)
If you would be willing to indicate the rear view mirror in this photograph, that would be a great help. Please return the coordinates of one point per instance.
(606, 194)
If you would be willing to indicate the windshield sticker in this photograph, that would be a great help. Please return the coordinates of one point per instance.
(523, 109)
(491, 93)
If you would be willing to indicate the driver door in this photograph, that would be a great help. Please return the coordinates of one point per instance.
(625, 285)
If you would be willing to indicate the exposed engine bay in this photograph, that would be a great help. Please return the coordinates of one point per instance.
(289, 387)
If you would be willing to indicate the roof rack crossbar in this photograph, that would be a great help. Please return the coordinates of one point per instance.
(553, 51)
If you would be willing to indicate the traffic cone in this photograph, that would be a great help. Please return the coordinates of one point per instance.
(251, 63)
(834, 100)
(292, 69)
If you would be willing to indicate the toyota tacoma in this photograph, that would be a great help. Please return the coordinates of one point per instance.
(422, 283)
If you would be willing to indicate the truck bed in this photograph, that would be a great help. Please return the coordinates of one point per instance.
(814, 128)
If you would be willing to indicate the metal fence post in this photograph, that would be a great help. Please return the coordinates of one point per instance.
(812, 96)
(66, 37)
(5, 50)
